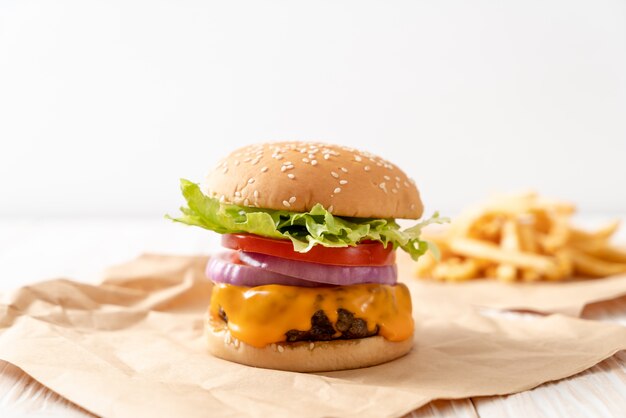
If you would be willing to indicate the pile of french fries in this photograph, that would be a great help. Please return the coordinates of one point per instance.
(523, 237)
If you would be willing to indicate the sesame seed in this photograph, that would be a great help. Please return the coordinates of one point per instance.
(264, 169)
(314, 162)
(397, 178)
(291, 176)
(283, 168)
(331, 208)
(306, 160)
(281, 349)
(412, 206)
(247, 160)
(256, 194)
(343, 181)
(311, 155)
(250, 180)
(225, 170)
(345, 170)
(335, 175)
(236, 162)
(367, 168)
(406, 184)
(238, 194)
(311, 346)
(387, 178)
(279, 157)
(285, 203)
(292, 199)
(394, 190)
(358, 158)
(379, 164)
(326, 156)
(337, 190)
(383, 186)
(255, 161)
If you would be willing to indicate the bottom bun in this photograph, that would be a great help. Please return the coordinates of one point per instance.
(304, 356)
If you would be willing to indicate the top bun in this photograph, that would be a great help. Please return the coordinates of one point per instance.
(295, 176)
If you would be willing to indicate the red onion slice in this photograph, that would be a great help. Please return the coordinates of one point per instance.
(322, 273)
(224, 268)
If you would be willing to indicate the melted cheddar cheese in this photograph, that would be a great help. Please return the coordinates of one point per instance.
(262, 315)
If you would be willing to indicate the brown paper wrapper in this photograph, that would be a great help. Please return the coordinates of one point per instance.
(566, 297)
(133, 346)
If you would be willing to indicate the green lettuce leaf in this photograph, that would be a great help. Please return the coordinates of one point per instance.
(305, 230)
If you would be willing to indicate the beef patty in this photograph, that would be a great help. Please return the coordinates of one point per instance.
(347, 327)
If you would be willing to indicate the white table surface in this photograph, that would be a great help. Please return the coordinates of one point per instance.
(34, 250)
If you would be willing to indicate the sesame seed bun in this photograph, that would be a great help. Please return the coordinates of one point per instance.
(295, 176)
(319, 356)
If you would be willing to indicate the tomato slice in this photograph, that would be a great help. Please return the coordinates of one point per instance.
(366, 254)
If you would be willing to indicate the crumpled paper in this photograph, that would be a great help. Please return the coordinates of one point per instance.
(566, 297)
(133, 346)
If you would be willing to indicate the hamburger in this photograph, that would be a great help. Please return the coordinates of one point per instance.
(308, 282)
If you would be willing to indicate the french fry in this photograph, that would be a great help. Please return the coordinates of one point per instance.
(565, 263)
(506, 273)
(601, 234)
(557, 235)
(491, 270)
(527, 202)
(554, 205)
(608, 253)
(529, 275)
(528, 240)
(592, 266)
(487, 228)
(510, 236)
(541, 221)
(510, 240)
(466, 221)
(485, 251)
(455, 270)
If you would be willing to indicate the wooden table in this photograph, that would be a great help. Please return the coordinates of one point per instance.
(36, 250)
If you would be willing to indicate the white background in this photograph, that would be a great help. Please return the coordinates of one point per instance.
(105, 104)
